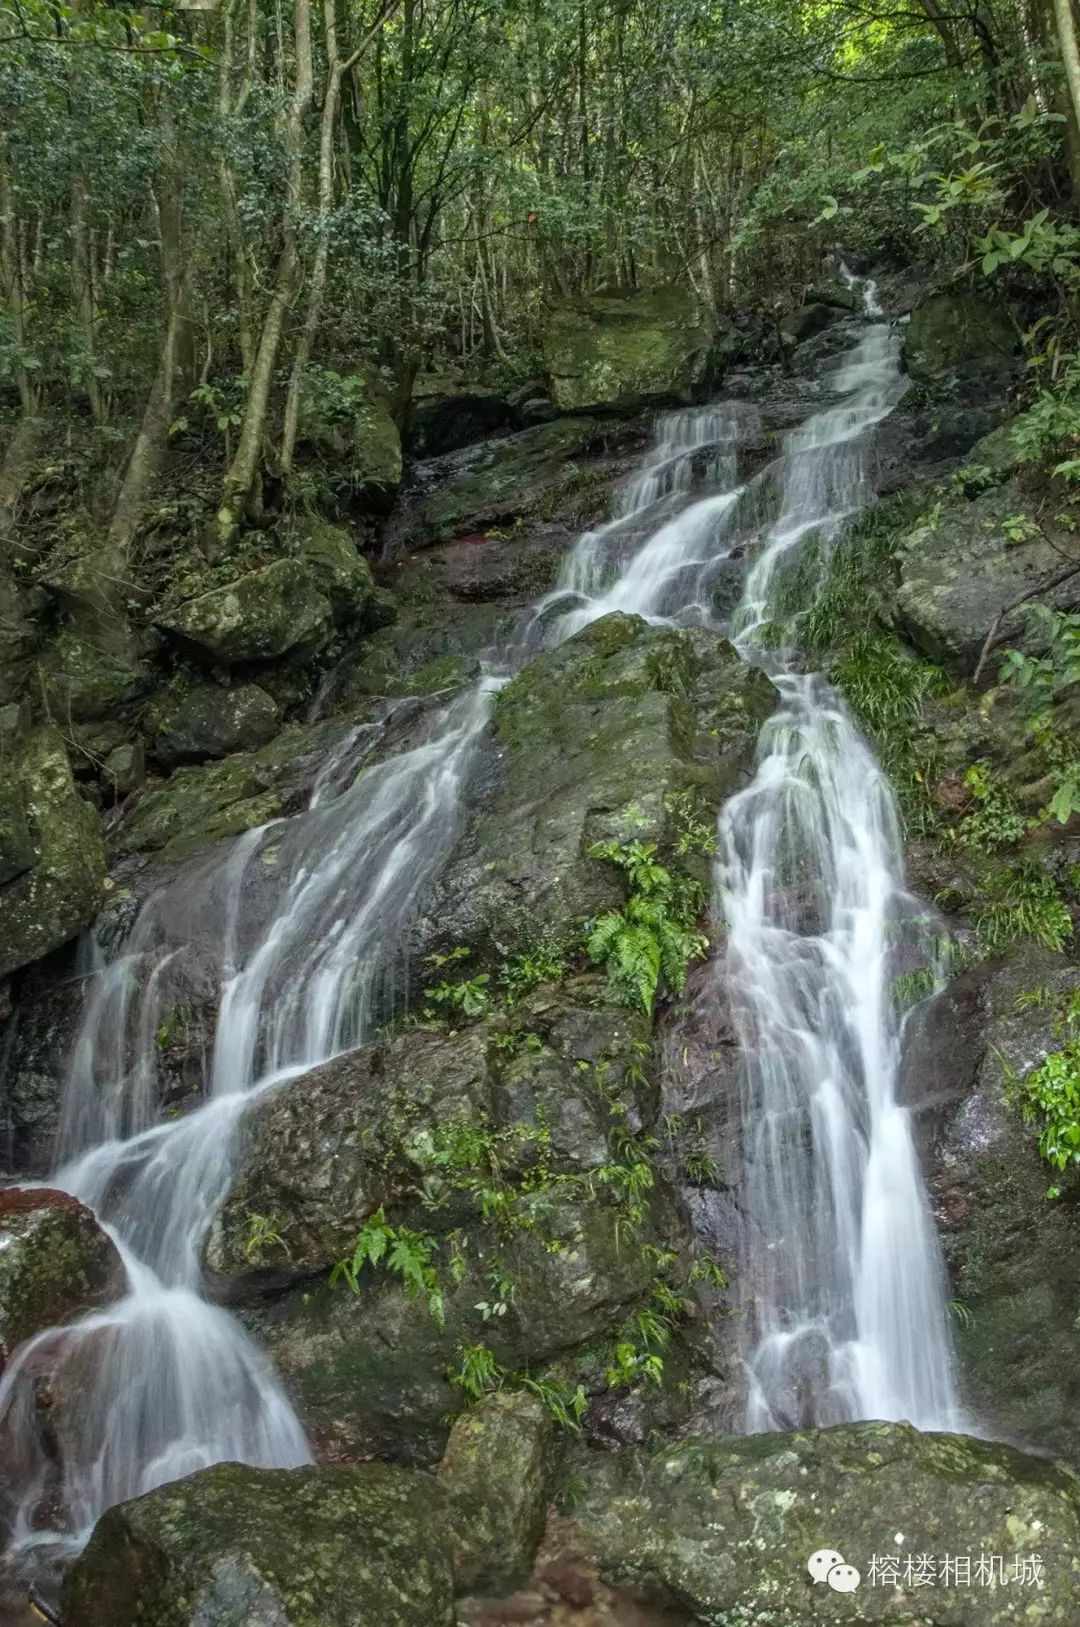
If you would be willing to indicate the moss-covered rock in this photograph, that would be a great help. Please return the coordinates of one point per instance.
(597, 737)
(205, 803)
(329, 1147)
(49, 900)
(948, 330)
(346, 424)
(342, 574)
(233, 1546)
(604, 351)
(726, 1526)
(541, 472)
(498, 1471)
(961, 576)
(56, 1264)
(196, 720)
(259, 616)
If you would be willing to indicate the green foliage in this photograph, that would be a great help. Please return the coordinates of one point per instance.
(649, 943)
(1051, 1100)
(544, 962)
(452, 1001)
(405, 1253)
(262, 1234)
(1021, 901)
(996, 822)
(1039, 682)
(478, 1373)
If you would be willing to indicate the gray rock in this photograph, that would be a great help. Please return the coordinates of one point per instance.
(201, 720)
(498, 1472)
(257, 617)
(725, 1526)
(56, 1264)
(962, 576)
(949, 329)
(49, 899)
(603, 351)
(363, 1547)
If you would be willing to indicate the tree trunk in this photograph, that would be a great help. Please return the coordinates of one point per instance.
(240, 477)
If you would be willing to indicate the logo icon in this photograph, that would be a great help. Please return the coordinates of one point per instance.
(826, 1565)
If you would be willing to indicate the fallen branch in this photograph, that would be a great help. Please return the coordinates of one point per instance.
(992, 637)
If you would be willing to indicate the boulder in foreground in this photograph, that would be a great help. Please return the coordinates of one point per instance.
(239, 1547)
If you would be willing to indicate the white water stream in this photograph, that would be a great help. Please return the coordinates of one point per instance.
(845, 1315)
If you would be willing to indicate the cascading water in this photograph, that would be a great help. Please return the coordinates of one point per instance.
(164, 1382)
(846, 1312)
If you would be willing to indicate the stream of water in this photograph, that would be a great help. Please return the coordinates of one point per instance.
(845, 1313)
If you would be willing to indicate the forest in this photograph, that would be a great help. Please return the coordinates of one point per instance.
(539, 813)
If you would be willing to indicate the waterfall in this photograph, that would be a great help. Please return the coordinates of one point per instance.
(301, 922)
(164, 1382)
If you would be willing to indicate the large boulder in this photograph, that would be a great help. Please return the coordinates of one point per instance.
(93, 663)
(56, 1264)
(544, 472)
(950, 330)
(726, 1526)
(961, 577)
(205, 803)
(50, 848)
(627, 351)
(1010, 1250)
(597, 737)
(239, 1547)
(196, 720)
(449, 1134)
(257, 617)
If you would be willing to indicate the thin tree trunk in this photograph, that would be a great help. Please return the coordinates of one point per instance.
(1065, 24)
(240, 477)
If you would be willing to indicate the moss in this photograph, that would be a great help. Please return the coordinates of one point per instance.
(48, 902)
(606, 350)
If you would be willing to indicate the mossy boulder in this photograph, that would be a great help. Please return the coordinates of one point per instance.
(93, 663)
(544, 472)
(598, 740)
(961, 577)
(45, 902)
(257, 617)
(56, 1264)
(233, 1546)
(725, 1526)
(204, 803)
(330, 1146)
(626, 351)
(949, 330)
(342, 574)
(196, 720)
(346, 424)
(498, 1472)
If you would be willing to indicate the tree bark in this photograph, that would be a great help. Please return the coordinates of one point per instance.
(240, 477)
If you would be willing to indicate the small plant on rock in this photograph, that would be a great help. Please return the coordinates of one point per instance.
(650, 942)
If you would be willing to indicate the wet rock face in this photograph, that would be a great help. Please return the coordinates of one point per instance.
(726, 1526)
(552, 471)
(595, 739)
(55, 855)
(56, 1264)
(604, 351)
(1010, 1251)
(364, 1547)
(961, 577)
(370, 1370)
